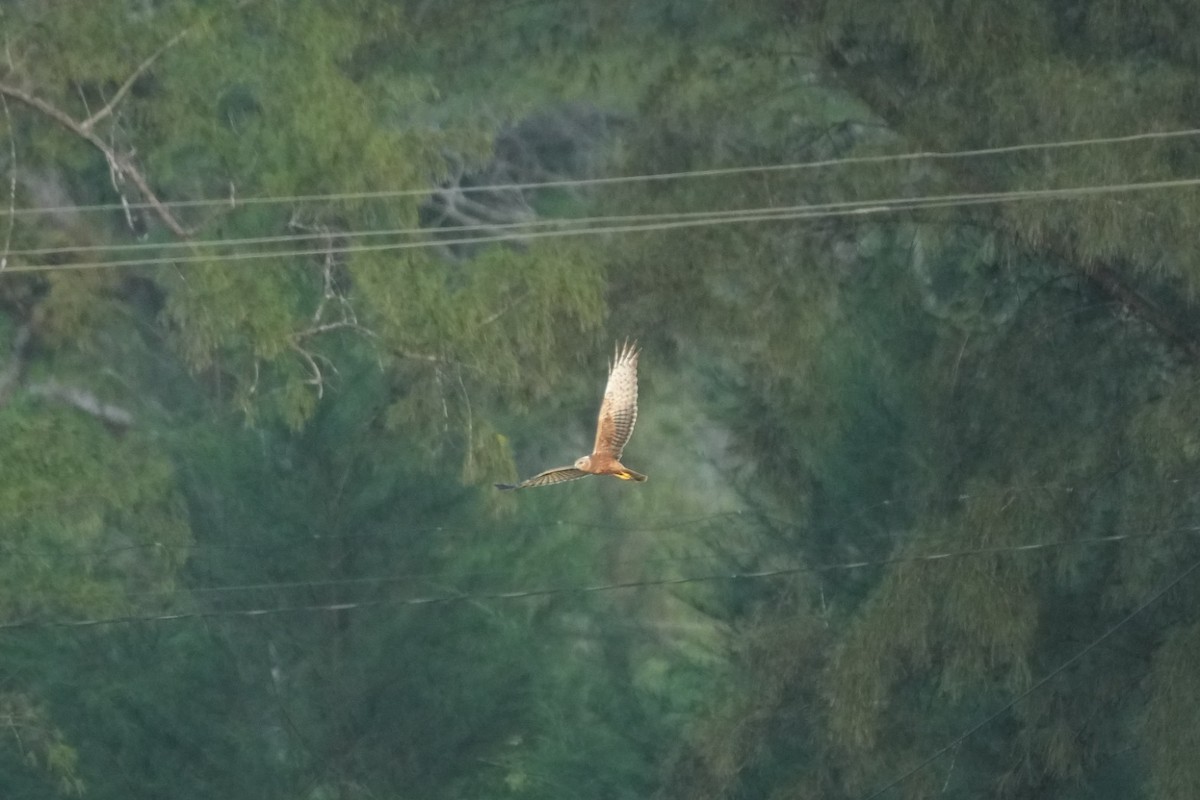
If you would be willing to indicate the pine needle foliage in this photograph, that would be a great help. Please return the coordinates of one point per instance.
(215, 433)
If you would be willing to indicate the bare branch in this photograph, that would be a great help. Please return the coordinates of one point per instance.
(334, 246)
(419, 356)
(117, 178)
(117, 161)
(411, 356)
(318, 378)
(143, 186)
(12, 374)
(495, 315)
(12, 184)
(83, 97)
(452, 214)
(327, 291)
(334, 326)
(449, 207)
(91, 121)
(470, 465)
(455, 202)
(83, 400)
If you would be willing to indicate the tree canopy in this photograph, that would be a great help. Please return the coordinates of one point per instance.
(285, 287)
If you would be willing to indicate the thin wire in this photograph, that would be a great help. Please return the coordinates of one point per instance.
(848, 208)
(457, 229)
(388, 534)
(644, 178)
(398, 578)
(1042, 682)
(513, 226)
(440, 599)
(605, 220)
(654, 527)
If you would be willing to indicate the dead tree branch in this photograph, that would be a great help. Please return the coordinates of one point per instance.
(121, 164)
(84, 401)
(333, 277)
(12, 185)
(495, 315)
(450, 207)
(334, 326)
(108, 108)
(310, 359)
(11, 377)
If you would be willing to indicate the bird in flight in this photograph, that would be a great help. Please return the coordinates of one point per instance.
(618, 413)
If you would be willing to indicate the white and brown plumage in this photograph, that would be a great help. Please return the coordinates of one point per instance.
(618, 413)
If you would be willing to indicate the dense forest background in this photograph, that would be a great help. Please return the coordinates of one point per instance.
(285, 286)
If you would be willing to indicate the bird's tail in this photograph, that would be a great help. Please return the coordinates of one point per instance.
(626, 474)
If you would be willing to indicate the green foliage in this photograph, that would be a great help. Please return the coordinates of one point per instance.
(39, 746)
(1043, 72)
(1170, 737)
(314, 426)
(88, 517)
(965, 391)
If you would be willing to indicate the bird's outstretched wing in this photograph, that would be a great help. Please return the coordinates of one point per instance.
(547, 478)
(618, 412)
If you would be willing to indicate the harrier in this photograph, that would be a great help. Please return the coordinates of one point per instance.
(618, 412)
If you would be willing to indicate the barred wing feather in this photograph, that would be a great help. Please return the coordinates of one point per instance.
(618, 412)
(547, 478)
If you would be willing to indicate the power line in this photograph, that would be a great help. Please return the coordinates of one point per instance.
(441, 599)
(516, 227)
(232, 201)
(1154, 598)
(652, 526)
(678, 220)
(376, 580)
(586, 224)
(389, 533)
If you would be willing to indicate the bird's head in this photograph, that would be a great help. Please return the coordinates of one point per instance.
(584, 463)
